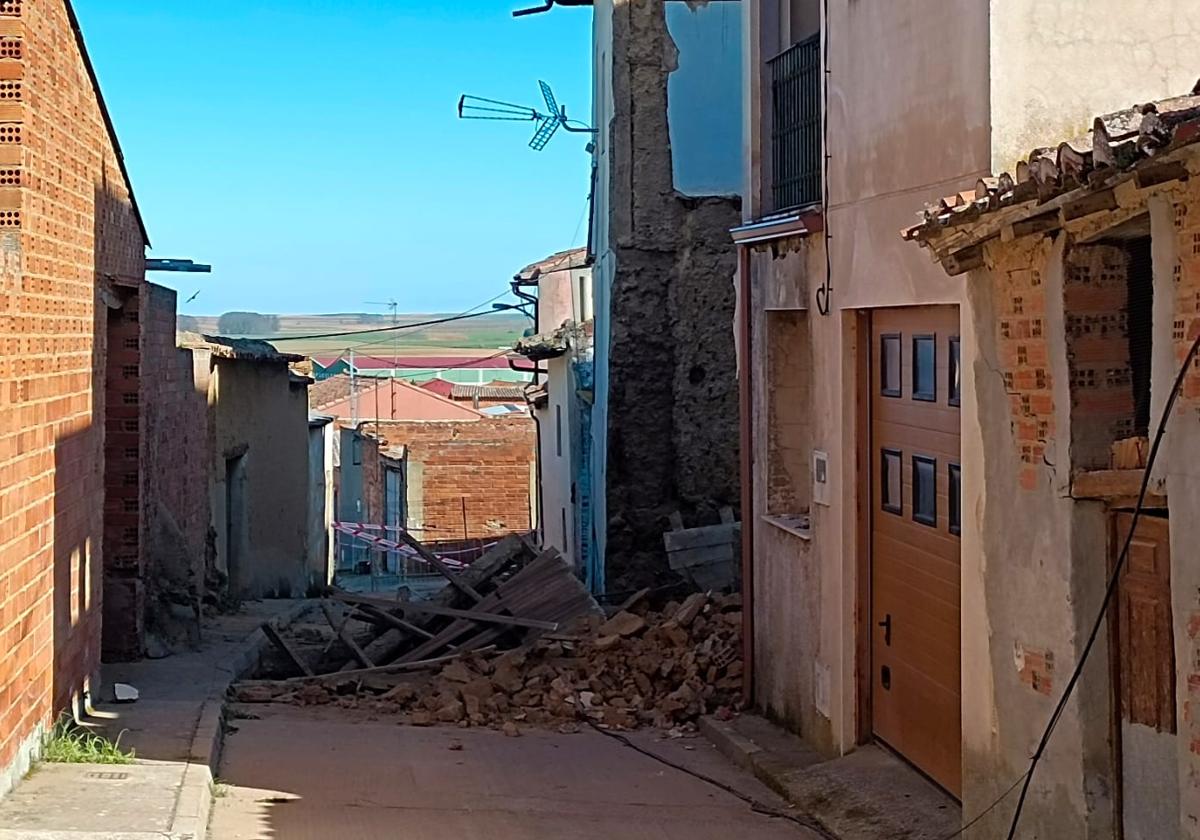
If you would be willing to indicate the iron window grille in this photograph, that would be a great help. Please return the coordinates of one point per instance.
(796, 125)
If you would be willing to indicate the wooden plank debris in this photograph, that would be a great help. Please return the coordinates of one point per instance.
(510, 596)
(273, 635)
(347, 638)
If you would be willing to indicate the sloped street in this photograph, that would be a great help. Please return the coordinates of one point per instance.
(379, 780)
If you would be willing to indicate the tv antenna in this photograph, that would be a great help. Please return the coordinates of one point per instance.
(394, 305)
(548, 124)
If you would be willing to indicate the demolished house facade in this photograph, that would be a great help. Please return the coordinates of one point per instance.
(667, 160)
(877, 611)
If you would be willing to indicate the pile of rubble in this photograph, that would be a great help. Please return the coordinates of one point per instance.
(639, 667)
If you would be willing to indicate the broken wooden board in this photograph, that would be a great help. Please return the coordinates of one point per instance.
(706, 556)
(281, 643)
(424, 608)
(346, 637)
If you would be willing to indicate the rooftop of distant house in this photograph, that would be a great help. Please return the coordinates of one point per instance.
(419, 362)
(397, 399)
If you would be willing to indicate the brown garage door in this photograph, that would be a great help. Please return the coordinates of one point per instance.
(915, 523)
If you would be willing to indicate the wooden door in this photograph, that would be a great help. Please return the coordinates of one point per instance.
(1142, 640)
(915, 525)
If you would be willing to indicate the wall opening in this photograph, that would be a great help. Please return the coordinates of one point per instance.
(1108, 299)
(789, 429)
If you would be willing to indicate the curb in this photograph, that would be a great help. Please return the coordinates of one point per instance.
(193, 805)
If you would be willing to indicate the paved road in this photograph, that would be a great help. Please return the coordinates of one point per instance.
(317, 774)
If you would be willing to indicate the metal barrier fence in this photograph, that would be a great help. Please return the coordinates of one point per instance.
(371, 558)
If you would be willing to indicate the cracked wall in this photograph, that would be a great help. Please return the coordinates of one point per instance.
(667, 264)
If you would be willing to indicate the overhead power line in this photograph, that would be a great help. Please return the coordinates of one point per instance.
(378, 330)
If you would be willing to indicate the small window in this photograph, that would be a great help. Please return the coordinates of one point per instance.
(924, 368)
(558, 430)
(954, 384)
(924, 491)
(891, 481)
(889, 365)
(955, 503)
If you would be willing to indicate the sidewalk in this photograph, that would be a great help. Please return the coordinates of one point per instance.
(174, 729)
(865, 795)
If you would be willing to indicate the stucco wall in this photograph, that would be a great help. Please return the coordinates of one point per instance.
(1055, 66)
(258, 414)
(555, 462)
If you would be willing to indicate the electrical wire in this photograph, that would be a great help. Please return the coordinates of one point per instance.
(464, 364)
(756, 805)
(377, 330)
(1109, 592)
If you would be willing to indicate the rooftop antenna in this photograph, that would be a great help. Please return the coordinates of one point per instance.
(548, 124)
(394, 305)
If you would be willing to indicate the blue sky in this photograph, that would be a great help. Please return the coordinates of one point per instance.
(311, 151)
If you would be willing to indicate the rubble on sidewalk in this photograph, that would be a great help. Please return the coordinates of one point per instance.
(519, 643)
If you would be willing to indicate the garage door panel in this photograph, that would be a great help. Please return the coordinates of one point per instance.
(915, 562)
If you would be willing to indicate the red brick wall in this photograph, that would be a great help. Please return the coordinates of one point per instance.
(65, 221)
(1095, 294)
(1024, 354)
(487, 463)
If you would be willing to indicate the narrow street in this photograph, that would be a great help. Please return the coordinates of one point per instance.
(381, 780)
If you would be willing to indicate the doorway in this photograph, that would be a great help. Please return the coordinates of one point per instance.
(916, 697)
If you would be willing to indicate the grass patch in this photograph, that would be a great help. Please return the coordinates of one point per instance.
(68, 743)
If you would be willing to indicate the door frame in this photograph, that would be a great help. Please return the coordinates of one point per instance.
(864, 495)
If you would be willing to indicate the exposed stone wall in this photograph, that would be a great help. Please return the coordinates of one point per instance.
(66, 222)
(487, 465)
(672, 395)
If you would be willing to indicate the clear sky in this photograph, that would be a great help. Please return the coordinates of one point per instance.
(311, 150)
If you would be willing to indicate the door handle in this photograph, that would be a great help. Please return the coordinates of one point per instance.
(886, 624)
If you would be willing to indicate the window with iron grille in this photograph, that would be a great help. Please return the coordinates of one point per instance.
(796, 125)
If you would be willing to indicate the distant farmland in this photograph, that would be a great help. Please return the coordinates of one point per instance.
(487, 332)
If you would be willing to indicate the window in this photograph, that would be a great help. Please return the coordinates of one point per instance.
(891, 481)
(796, 124)
(924, 368)
(955, 502)
(889, 365)
(924, 492)
(954, 384)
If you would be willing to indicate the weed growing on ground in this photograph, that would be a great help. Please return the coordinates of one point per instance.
(68, 743)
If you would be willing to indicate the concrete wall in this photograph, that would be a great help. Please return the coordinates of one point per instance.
(259, 416)
(665, 385)
(564, 296)
(67, 222)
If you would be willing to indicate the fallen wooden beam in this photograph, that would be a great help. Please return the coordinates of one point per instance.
(398, 667)
(347, 638)
(425, 608)
(442, 569)
(273, 635)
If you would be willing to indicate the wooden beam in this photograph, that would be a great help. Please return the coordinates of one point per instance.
(347, 638)
(271, 633)
(1113, 485)
(437, 563)
(432, 609)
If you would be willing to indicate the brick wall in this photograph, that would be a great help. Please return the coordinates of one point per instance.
(175, 512)
(486, 463)
(1024, 353)
(1095, 296)
(65, 221)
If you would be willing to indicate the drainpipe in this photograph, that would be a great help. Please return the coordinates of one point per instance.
(746, 429)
